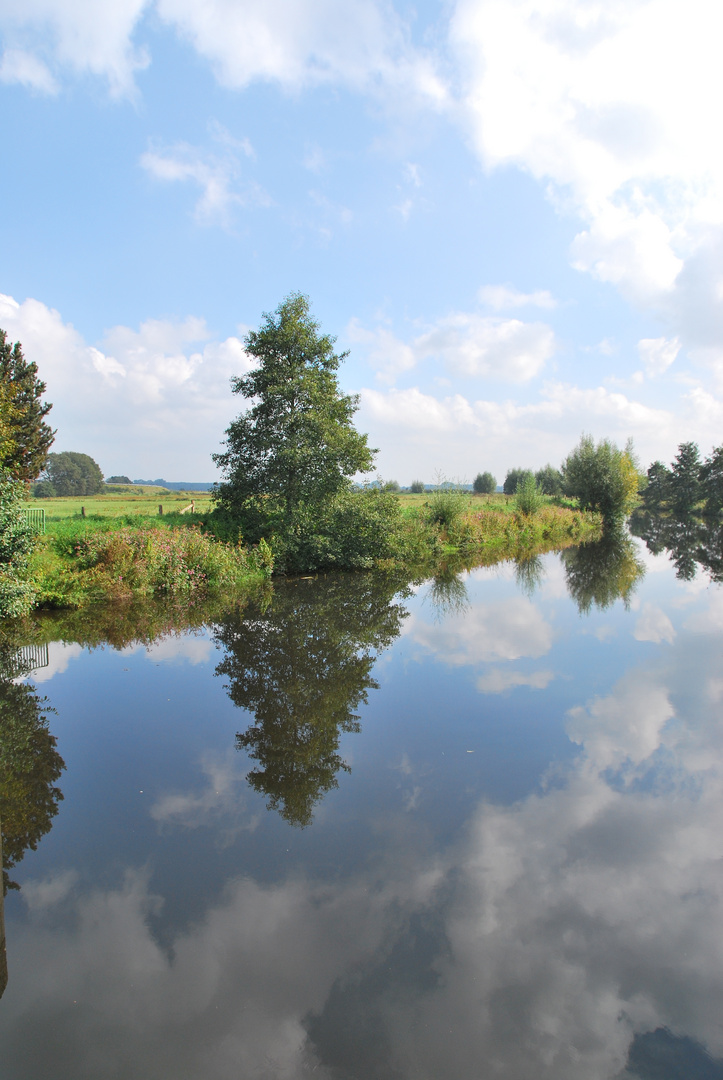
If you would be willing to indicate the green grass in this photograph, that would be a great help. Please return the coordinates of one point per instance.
(123, 502)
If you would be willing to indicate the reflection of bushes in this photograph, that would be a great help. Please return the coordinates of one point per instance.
(598, 574)
(302, 665)
(29, 767)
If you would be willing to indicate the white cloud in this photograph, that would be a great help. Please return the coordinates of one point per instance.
(48, 38)
(497, 680)
(612, 105)
(219, 175)
(657, 354)
(503, 297)
(60, 653)
(653, 625)
(465, 344)
(505, 631)
(306, 43)
(19, 66)
(159, 395)
(222, 802)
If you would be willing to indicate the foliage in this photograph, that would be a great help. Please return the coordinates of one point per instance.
(17, 592)
(712, 482)
(602, 477)
(417, 487)
(302, 665)
(350, 531)
(29, 767)
(685, 479)
(513, 478)
(446, 503)
(296, 444)
(71, 473)
(117, 563)
(484, 484)
(118, 480)
(43, 489)
(27, 437)
(528, 497)
(657, 489)
(600, 573)
(391, 485)
(500, 533)
(549, 480)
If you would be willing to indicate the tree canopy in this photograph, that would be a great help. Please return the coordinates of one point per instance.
(484, 484)
(25, 437)
(515, 477)
(71, 473)
(295, 443)
(602, 477)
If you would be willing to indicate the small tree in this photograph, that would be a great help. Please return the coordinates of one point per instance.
(118, 480)
(528, 496)
(296, 442)
(513, 478)
(549, 480)
(30, 438)
(602, 477)
(417, 487)
(71, 473)
(484, 484)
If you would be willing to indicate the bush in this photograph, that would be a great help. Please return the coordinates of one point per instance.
(17, 539)
(349, 532)
(118, 480)
(445, 505)
(602, 477)
(417, 487)
(484, 484)
(528, 496)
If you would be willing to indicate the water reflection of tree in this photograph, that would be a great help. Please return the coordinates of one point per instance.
(29, 767)
(529, 573)
(598, 574)
(448, 592)
(691, 542)
(302, 665)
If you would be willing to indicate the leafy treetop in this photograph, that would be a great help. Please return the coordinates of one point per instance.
(296, 443)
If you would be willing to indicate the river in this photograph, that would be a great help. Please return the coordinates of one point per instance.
(358, 829)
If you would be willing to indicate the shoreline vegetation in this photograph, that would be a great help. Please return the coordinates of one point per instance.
(116, 552)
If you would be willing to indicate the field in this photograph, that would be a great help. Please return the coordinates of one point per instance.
(122, 502)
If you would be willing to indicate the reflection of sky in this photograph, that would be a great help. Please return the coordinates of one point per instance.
(523, 910)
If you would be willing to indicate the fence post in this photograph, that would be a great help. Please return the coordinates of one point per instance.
(160, 508)
(82, 511)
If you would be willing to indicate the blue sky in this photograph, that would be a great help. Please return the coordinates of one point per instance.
(510, 211)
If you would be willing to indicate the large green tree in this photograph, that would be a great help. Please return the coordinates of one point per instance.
(71, 473)
(296, 442)
(25, 449)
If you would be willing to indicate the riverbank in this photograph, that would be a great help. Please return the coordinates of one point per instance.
(115, 556)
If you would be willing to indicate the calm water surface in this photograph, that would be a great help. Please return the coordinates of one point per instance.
(470, 829)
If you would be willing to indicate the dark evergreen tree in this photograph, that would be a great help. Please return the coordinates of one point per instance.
(30, 437)
(712, 482)
(657, 489)
(685, 479)
(296, 443)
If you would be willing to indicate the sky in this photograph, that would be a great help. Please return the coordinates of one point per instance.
(510, 212)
